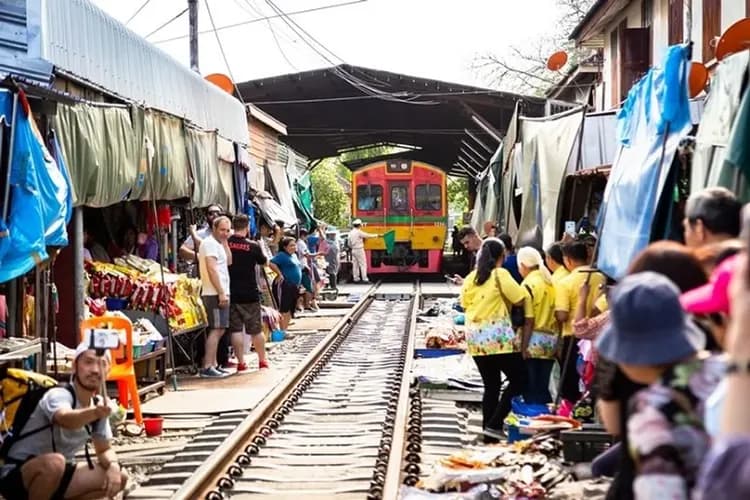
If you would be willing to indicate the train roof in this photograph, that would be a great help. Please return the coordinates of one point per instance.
(343, 108)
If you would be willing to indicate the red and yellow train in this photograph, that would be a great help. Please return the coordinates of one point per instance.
(407, 197)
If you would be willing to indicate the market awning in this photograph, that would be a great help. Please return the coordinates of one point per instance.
(344, 108)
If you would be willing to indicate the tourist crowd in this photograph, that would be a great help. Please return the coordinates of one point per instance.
(660, 353)
(247, 279)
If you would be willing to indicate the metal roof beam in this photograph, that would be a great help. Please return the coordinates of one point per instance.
(483, 124)
(466, 170)
(466, 166)
(483, 156)
(477, 161)
(478, 141)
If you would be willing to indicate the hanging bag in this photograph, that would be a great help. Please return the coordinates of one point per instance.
(517, 314)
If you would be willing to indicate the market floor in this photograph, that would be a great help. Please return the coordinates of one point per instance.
(209, 396)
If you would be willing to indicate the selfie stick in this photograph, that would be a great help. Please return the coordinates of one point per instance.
(100, 354)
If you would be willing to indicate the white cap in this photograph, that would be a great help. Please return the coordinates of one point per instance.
(357, 222)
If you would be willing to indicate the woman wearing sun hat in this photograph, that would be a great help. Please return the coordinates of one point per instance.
(654, 342)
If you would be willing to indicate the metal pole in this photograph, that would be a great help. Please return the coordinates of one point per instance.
(78, 291)
(11, 325)
(193, 17)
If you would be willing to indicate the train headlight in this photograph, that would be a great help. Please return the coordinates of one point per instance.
(435, 239)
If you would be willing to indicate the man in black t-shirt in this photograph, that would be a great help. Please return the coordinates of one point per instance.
(244, 310)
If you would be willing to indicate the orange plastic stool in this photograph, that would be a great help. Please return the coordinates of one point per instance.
(122, 370)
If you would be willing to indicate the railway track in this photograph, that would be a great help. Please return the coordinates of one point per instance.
(342, 425)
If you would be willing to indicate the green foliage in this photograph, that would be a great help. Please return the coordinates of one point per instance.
(331, 203)
(458, 194)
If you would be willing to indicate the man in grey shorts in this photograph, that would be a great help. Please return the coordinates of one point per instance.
(214, 259)
(40, 463)
(245, 311)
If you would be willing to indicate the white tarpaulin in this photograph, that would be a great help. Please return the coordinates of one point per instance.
(281, 186)
(547, 146)
(712, 138)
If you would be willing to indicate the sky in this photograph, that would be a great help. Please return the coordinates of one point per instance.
(438, 39)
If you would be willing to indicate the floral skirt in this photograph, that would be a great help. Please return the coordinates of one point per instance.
(495, 337)
(543, 345)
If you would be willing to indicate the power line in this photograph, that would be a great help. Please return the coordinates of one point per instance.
(223, 54)
(257, 20)
(143, 5)
(167, 23)
(344, 75)
(269, 24)
(394, 94)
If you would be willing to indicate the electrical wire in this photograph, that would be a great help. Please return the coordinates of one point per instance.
(256, 11)
(223, 54)
(311, 41)
(360, 97)
(161, 27)
(251, 21)
(143, 5)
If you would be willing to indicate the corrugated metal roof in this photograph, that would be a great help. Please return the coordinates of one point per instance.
(14, 49)
(81, 39)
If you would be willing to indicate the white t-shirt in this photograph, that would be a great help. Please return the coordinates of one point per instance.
(212, 248)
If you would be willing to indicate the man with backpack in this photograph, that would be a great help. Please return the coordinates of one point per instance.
(39, 454)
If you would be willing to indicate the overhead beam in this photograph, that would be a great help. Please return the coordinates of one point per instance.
(470, 165)
(483, 124)
(478, 141)
(466, 170)
(478, 161)
(474, 174)
(483, 156)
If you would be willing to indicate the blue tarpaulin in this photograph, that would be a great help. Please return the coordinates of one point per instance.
(40, 204)
(654, 118)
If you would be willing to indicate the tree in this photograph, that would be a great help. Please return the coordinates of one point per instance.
(523, 69)
(331, 203)
(458, 194)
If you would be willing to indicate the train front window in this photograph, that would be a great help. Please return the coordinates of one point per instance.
(399, 198)
(428, 197)
(370, 197)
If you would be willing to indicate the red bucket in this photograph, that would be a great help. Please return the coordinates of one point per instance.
(153, 425)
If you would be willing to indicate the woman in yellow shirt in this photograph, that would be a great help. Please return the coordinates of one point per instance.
(556, 262)
(487, 295)
(542, 330)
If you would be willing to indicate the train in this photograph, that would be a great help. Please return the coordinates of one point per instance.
(409, 198)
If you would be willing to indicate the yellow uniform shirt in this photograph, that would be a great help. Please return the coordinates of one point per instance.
(601, 303)
(567, 293)
(559, 274)
(484, 303)
(541, 307)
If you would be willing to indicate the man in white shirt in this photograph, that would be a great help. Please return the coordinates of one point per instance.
(214, 259)
(357, 239)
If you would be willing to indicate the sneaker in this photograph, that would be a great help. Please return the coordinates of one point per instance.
(211, 372)
(222, 370)
(241, 367)
(495, 433)
(263, 364)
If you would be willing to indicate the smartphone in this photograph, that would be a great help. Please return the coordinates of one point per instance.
(570, 227)
(104, 339)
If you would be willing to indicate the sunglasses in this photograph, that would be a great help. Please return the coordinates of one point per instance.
(214, 212)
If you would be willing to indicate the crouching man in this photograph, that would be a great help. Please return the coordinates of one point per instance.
(40, 463)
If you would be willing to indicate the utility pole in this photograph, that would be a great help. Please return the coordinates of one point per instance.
(193, 17)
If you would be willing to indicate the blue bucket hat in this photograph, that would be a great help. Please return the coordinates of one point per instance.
(648, 326)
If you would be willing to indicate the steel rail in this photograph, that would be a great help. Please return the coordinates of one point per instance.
(207, 477)
(393, 475)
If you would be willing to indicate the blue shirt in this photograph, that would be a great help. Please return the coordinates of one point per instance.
(312, 243)
(290, 267)
(511, 265)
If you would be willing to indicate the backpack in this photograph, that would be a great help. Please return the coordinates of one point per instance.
(20, 394)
